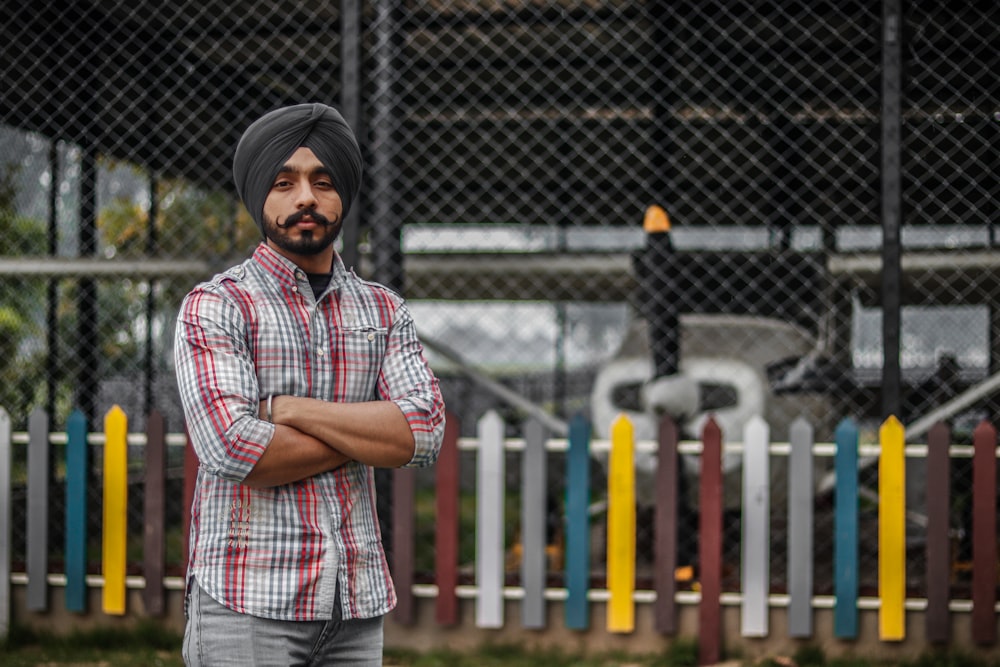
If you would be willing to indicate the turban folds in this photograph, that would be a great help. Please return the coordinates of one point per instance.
(270, 140)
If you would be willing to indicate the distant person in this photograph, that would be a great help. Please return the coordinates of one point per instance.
(298, 378)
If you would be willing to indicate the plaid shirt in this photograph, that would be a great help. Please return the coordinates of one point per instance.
(256, 330)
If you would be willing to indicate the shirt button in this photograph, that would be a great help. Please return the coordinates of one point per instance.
(371, 337)
(320, 353)
(295, 288)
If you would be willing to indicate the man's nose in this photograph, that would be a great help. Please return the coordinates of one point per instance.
(306, 197)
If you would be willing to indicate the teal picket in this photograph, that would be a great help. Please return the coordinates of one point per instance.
(577, 610)
(845, 541)
(76, 512)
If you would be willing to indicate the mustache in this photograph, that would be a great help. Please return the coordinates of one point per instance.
(315, 216)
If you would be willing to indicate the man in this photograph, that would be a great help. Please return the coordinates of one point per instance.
(297, 378)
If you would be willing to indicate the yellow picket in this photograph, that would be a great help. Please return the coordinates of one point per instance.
(621, 528)
(892, 531)
(115, 509)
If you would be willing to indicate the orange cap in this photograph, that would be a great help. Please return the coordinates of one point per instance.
(656, 220)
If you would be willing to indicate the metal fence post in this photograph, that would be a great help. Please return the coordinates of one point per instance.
(891, 205)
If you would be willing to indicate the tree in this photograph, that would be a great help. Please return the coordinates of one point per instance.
(22, 379)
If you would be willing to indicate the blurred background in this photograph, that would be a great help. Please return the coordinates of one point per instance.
(829, 171)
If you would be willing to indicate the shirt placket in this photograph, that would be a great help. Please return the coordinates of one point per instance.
(321, 357)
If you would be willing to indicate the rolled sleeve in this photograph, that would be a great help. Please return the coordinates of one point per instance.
(408, 381)
(427, 427)
(218, 385)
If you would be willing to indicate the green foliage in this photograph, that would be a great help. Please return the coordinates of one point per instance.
(11, 326)
(18, 235)
(191, 222)
(21, 364)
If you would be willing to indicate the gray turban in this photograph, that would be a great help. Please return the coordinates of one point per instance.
(270, 140)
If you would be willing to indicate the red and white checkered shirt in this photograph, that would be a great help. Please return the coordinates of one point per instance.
(257, 330)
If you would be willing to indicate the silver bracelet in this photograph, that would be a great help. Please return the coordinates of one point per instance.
(270, 398)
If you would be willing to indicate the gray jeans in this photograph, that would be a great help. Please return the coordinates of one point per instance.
(216, 636)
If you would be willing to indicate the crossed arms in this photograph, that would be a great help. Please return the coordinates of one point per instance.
(313, 436)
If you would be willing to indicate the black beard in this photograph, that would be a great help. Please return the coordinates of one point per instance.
(308, 243)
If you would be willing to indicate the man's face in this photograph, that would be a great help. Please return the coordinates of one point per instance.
(302, 212)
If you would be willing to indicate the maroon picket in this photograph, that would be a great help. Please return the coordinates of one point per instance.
(447, 525)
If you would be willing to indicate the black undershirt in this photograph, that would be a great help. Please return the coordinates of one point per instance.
(319, 282)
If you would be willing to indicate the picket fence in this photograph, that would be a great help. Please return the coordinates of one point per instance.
(620, 595)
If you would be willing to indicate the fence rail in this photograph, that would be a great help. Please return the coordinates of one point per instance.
(522, 569)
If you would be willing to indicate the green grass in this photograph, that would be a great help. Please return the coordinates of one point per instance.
(684, 655)
(145, 645)
(149, 645)
(680, 653)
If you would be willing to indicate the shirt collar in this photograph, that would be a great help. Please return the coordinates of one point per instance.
(286, 272)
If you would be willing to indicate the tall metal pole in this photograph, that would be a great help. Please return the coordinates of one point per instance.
(152, 245)
(564, 221)
(892, 205)
(52, 296)
(87, 311)
(653, 263)
(350, 106)
(385, 225)
(660, 298)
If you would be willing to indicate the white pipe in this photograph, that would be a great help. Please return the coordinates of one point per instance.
(954, 406)
(552, 423)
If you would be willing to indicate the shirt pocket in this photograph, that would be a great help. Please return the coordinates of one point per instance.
(360, 348)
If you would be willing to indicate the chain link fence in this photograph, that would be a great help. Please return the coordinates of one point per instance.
(512, 151)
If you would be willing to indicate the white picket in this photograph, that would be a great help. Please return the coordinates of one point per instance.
(490, 522)
(756, 528)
